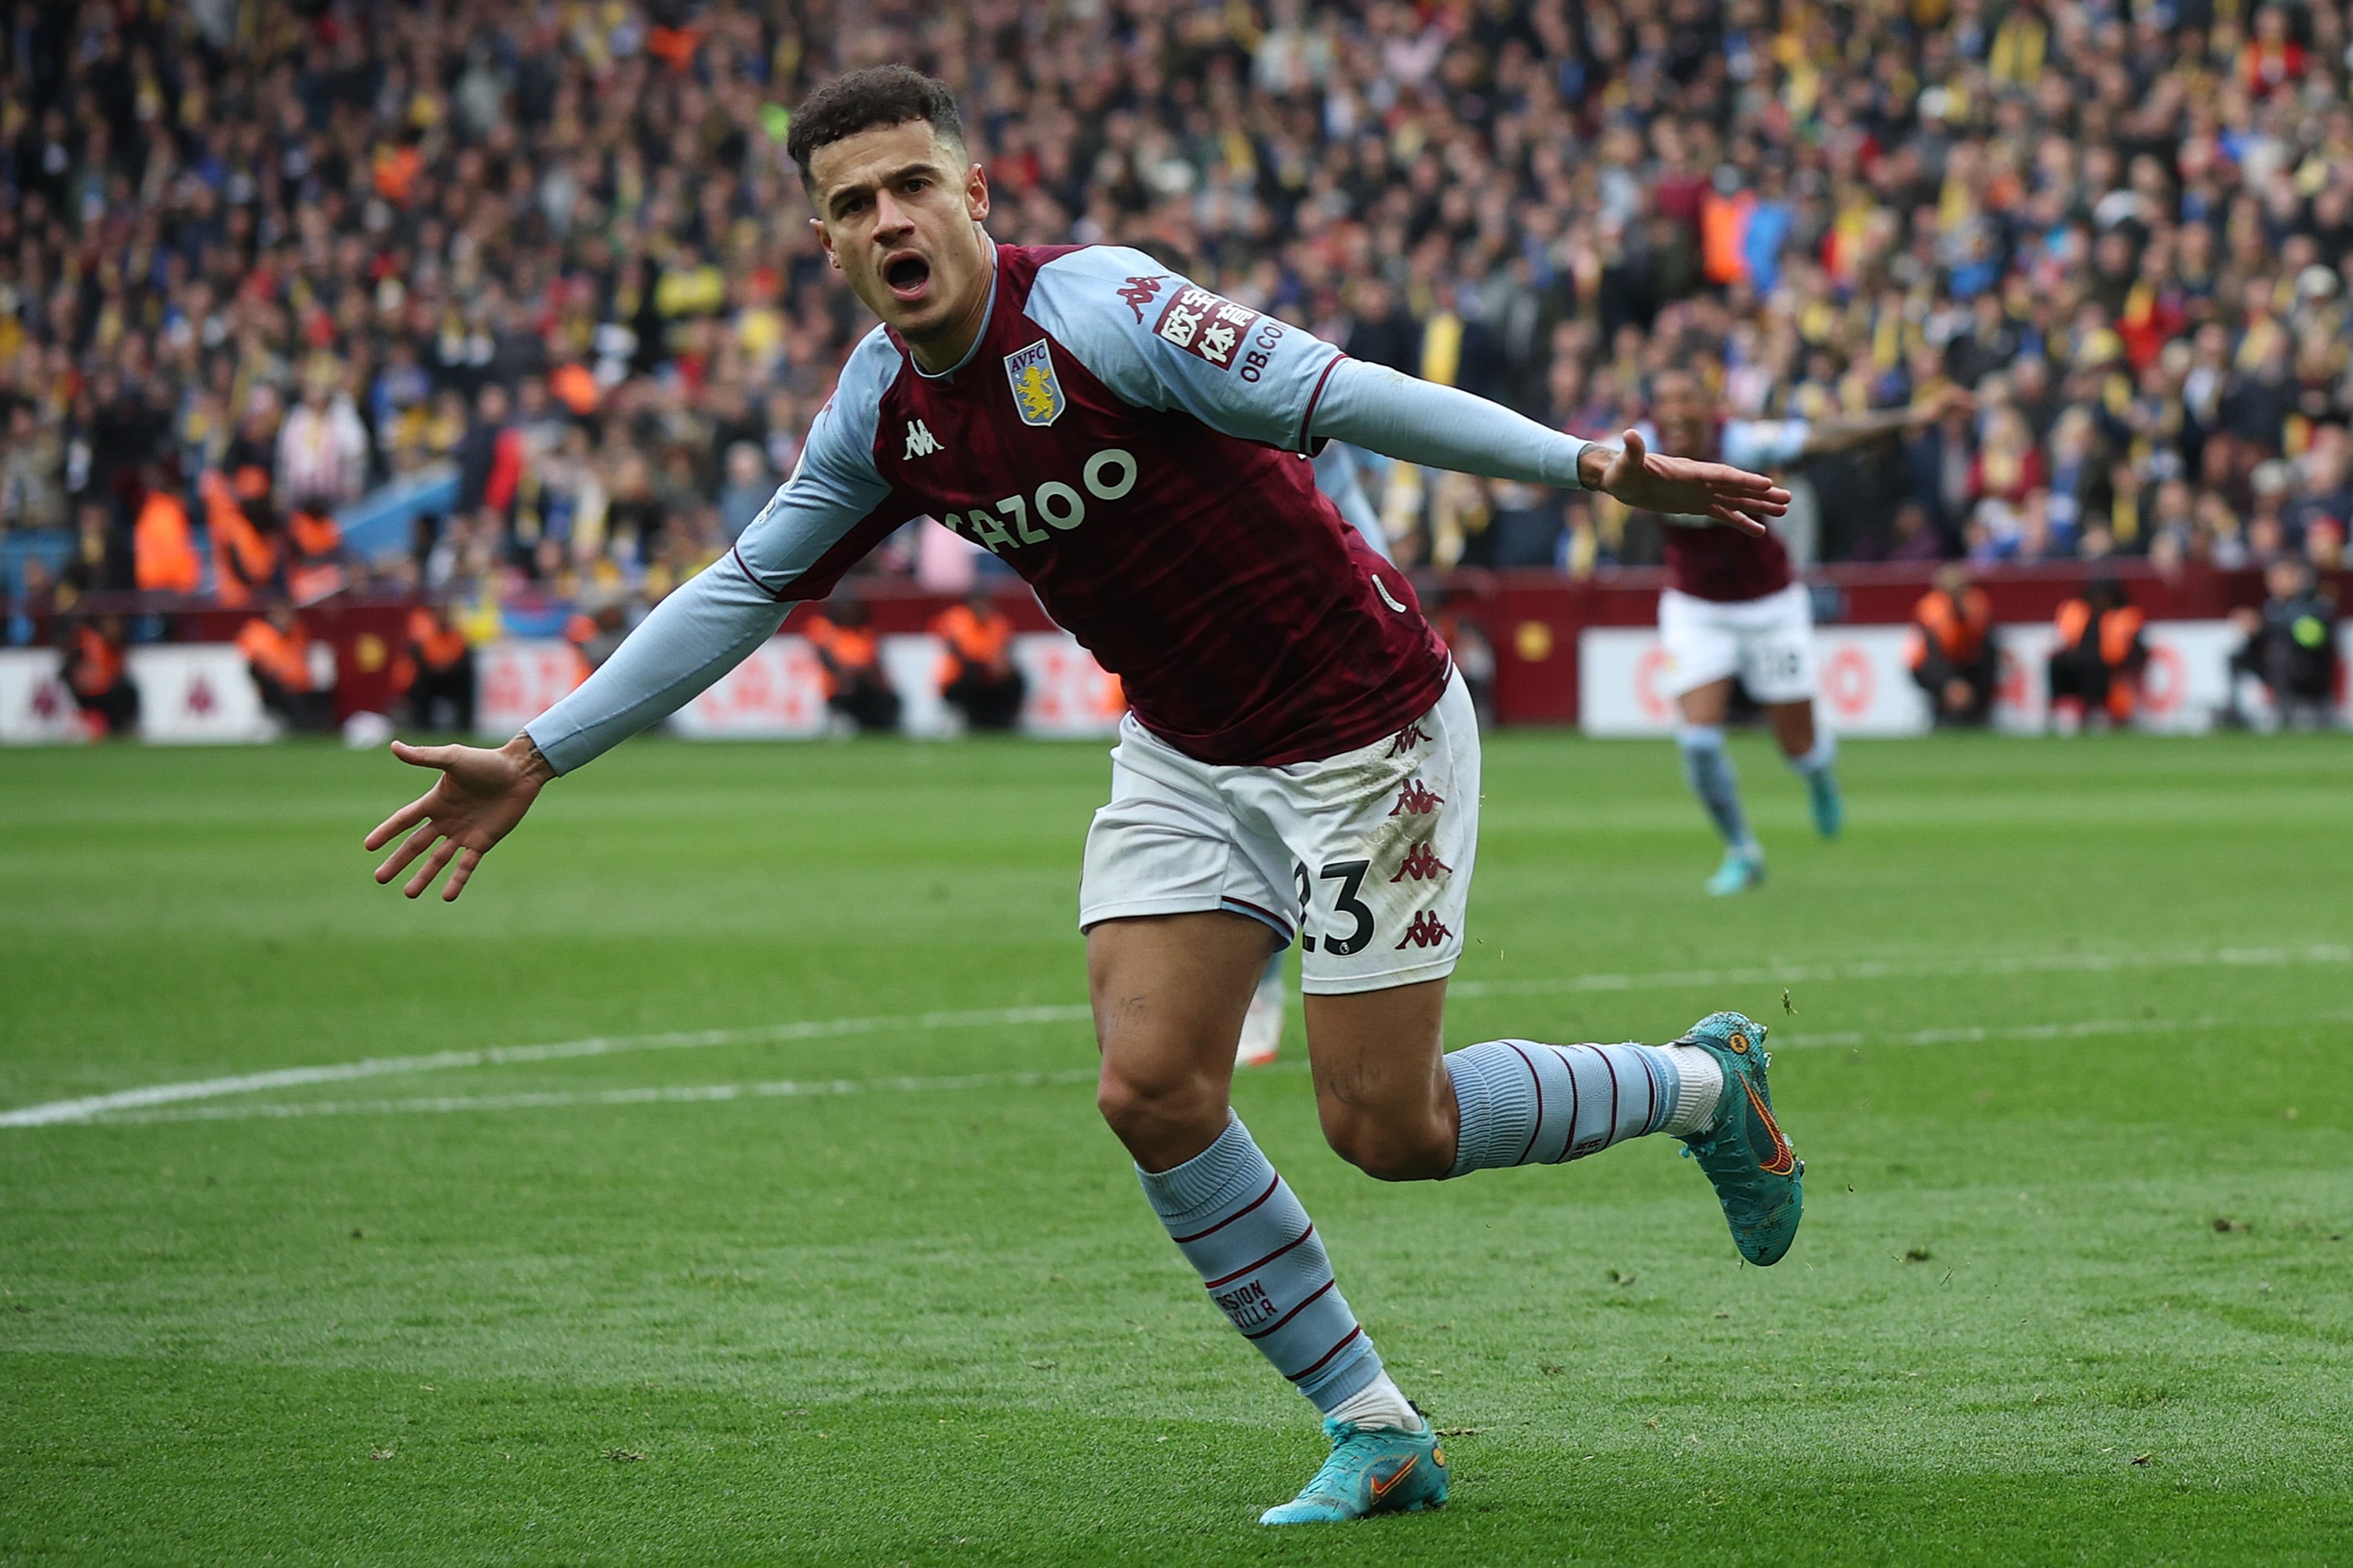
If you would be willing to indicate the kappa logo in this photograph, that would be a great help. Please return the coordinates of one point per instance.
(1415, 799)
(1427, 930)
(920, 443)
(1142, 292)
(1037, 396)
(1422, 864)
(1213, 328)
(1408, 738)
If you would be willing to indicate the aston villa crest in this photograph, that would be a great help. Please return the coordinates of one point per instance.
(1037, 396)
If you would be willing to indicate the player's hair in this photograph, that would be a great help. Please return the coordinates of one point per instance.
(879, 95)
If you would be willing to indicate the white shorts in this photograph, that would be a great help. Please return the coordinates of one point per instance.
(1365, 856)
(1768, 642)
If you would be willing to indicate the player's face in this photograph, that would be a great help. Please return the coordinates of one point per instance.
(1679, 407)
(900, 210)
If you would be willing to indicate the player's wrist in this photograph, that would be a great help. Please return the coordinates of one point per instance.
(526, 753)
(1592, 463)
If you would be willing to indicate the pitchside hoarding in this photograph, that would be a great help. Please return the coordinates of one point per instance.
(778, 694)
(1867, 687)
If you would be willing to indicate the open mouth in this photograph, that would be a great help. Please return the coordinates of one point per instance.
(907, 277)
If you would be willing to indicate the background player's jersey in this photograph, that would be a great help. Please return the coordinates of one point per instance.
(1131, 445)
(1707, 561)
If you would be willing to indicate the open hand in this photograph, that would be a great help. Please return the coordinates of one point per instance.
(1732, 496)
(479, 796)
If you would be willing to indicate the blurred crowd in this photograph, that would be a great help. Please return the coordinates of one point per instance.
(258, 258)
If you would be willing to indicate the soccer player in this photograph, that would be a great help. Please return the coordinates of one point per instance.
(1734, 608)
(1300, 760)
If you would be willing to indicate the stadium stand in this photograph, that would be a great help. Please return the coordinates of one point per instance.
(527, 296)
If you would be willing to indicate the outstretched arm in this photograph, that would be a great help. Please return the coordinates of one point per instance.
(1422, 422)
(692, 638)
(1160, 342)
(832, 508)
(1826, 437)
(479, 796)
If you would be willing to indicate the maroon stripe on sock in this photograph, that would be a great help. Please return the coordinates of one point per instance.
(1295, 1312)
(1537, 1080)
(1612, 1069)
(1345, 1341)
(1650, 1116)
(1261, 1262)
(1568, 1144)
(1229, 1219)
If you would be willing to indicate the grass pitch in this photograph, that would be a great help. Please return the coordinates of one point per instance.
(767, 1260)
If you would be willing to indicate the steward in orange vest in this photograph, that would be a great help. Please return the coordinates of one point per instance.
(277, 649)
(314, 548)
(247, 553)
(2095, 670)
(164, 546)
(94, 673)
(1952, 653)
(855, 688)
(440, 671)
(978, 676)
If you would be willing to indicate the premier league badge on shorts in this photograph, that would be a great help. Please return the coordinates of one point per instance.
(1037, 396)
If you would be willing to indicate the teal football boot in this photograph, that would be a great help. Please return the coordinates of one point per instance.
(1382, 1471)
(1756, 1174)
(1743, 868)
(1830, 806)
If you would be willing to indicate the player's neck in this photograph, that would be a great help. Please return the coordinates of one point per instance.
(938, 354)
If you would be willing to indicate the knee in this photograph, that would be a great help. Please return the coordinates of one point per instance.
(1390, 1148)
(1154, 1114)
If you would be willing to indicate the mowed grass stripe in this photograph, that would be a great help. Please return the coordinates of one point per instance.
(940, 1326)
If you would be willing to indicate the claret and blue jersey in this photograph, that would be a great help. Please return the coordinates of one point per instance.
(1134, 446)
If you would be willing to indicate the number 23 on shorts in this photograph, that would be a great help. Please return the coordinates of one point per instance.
(1350, 877)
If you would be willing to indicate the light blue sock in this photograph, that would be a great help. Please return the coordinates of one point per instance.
(1524, 1103)
(1707, 768)
(1235, 1221)
(1821, 757)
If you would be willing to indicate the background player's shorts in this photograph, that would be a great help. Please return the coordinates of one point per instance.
(1768, 642)
(1367, 855)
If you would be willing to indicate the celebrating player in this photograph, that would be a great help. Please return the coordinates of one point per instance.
(1301, 759)
(1735, 609)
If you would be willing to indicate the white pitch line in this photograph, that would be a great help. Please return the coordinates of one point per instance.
(560, 1099)
(1928, 968)
(54, 1112)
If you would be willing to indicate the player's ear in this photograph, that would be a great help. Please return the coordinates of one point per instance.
(975, 194)
(825, 240)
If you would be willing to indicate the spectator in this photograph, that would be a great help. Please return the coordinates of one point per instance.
(978, 676)
(1952, 653)
(2130, 228)
(2094, 672)
(32, 472)
(746, 491)
(2290, 654)
(323, 448)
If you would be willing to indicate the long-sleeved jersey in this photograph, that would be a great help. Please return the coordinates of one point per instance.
(1134, 446)
(1724, 564)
